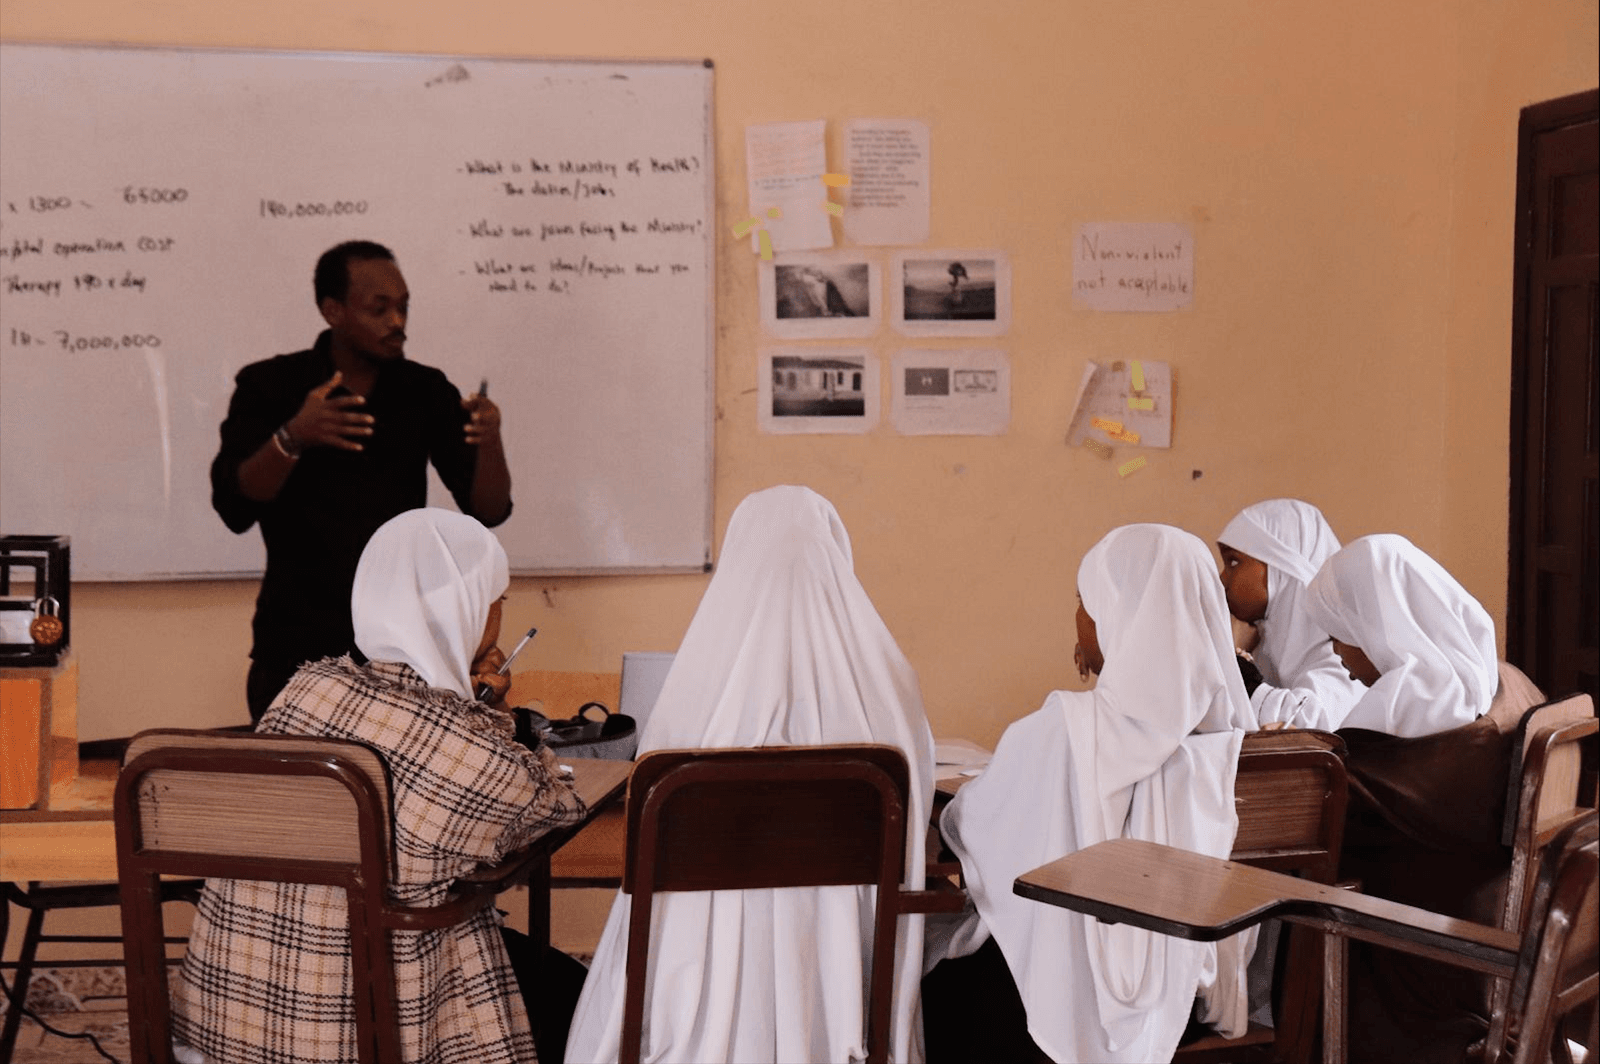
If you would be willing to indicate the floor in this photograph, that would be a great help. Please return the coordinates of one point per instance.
(76, 1001)
(92, 1001)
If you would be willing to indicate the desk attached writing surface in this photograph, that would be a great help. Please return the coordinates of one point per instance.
(1189, 895)
(163, 212)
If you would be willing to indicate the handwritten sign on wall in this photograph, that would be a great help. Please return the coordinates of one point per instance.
(1133, 266)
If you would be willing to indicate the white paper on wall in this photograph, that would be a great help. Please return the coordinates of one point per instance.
(785, 162)
(887, 162)
(1133, 266)
(1127, 403)
(950, 392)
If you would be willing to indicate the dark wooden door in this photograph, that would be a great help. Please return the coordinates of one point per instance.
(1553, 631)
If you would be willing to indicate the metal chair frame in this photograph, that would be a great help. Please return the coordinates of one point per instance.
(165, 826)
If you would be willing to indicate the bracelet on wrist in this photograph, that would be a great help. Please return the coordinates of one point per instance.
(290, 447)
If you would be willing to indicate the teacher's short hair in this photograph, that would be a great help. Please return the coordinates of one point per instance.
(332, 278)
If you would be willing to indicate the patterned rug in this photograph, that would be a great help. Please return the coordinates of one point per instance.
(82, 1001)
(77, 1002)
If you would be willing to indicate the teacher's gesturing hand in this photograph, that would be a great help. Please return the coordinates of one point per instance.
(327, 420)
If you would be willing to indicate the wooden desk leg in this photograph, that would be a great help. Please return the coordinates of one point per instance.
(1335, 951)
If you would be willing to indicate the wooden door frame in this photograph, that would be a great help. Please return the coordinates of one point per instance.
(1535, 121)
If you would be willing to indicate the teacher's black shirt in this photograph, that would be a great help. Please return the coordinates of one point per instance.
(334, 499)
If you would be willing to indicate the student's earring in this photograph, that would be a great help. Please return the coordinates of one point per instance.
(1077, 659)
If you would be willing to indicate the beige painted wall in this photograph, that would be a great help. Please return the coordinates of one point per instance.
(1348, 172)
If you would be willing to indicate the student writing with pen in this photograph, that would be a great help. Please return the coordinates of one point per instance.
(324, 445)
(267, 972)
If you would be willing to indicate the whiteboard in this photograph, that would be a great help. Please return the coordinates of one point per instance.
(160, 214)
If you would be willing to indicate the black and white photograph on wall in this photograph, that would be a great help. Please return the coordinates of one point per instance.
(950, 392)
(951, 293)
(820, 296)
(817, 390)
(927, 380)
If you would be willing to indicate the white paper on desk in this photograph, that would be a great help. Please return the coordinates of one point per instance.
(953, 758)
(962, 752)
(1133, 266)
(887, 162)
(1106, 392)
(785, 163)
(950, 392)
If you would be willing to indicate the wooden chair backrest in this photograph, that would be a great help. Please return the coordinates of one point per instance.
(1290, 793)
(274, 808)
(1556, 785)
(1548, 758)
(766, 817)
(1560, 951)
(223, 808)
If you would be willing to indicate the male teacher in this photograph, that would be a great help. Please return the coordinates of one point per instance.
(324, 445)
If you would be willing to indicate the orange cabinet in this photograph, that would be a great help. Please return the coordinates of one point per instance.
(38, 732)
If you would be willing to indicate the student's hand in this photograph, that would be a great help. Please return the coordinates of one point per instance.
(1248, 673)
(1245, 635)
(485, 671)
(336, 422)
(1080, 662)
(483, 419)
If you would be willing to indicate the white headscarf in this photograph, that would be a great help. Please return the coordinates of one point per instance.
(1306, 685)
(1432, 643)
(422, 594)
(785, 649)
(1150, 753)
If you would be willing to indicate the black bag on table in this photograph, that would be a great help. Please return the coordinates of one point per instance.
(611, 736)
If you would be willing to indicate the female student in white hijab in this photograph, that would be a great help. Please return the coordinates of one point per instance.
(267, 974)
(1403, 627)
(1149, 753)
(785, 649)
(1429, 757)
(1270, 551)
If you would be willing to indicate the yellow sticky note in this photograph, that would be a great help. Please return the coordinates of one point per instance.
(1097, 447)
(1105, 424)
(1141, 404)
(836, 180)
(773, 212)
(1131, 467)
(1125, 436)
(1138, 375)
(766, 245)
(745, 226)
(835, 209)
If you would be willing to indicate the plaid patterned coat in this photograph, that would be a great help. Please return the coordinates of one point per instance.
(267, 974)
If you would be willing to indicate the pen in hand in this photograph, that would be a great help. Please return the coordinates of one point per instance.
(484, 691)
